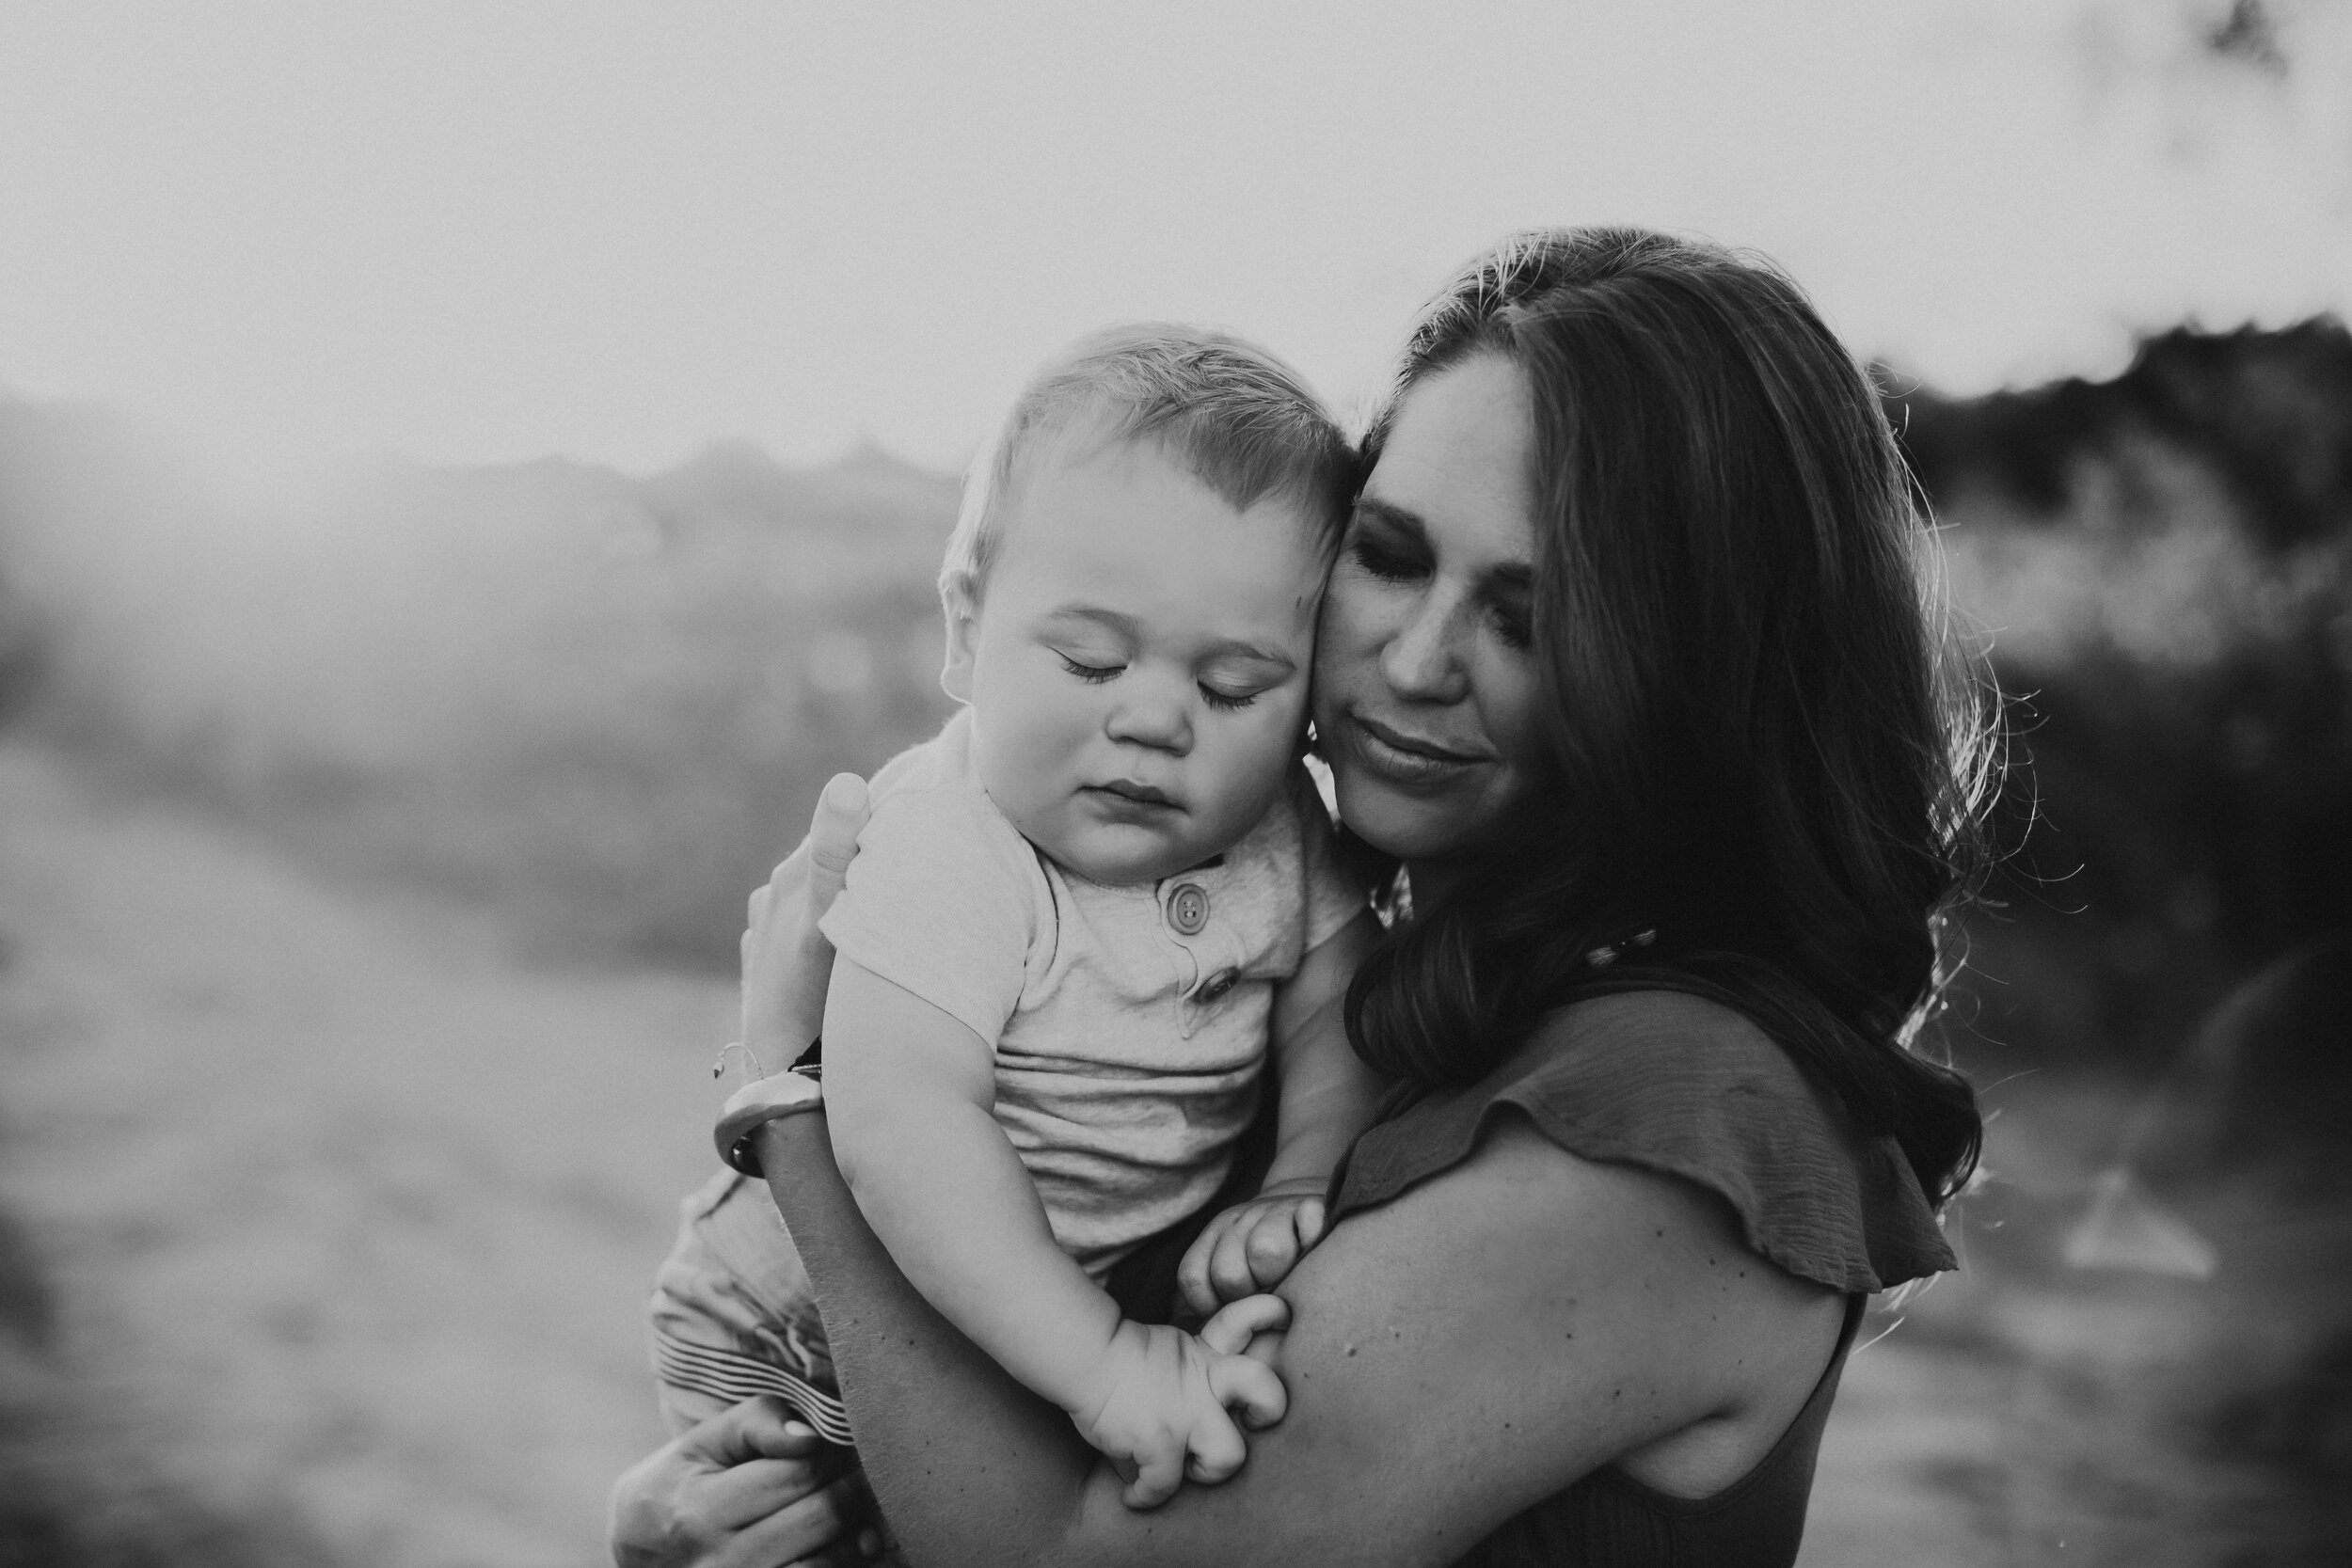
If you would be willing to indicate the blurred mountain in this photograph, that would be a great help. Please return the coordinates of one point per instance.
(602, 701)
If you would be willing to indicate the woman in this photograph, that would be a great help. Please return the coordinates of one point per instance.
(1624, 664)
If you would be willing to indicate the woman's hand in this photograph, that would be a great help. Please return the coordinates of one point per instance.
(787, 959)
(748, 1488)
(1251, 1248)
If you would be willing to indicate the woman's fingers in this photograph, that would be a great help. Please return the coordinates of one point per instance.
(759, 1428)
(1236, 1323)
(756, 1488)
(833, 840)
(831, 1514)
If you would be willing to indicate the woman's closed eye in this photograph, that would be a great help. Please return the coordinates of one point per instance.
(1513, 625)
(1385, 561)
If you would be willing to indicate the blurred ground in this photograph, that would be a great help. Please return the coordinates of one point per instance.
(344, 1219)
(347, 1220)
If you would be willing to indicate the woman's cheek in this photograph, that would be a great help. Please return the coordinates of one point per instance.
(1340, 642)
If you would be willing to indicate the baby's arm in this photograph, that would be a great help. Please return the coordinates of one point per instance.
(1329, 1097)
(908, 1092)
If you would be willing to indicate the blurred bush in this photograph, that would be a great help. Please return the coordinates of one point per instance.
(2162, 564)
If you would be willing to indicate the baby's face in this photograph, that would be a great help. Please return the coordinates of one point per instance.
(1138, 665)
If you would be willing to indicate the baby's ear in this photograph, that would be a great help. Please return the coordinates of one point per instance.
(959, 597)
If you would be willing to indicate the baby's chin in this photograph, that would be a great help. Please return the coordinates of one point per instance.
(1117, 855)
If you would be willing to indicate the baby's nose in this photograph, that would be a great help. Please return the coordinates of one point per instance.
(1156, 719)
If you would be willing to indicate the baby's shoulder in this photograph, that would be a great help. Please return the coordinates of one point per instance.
(930, 823)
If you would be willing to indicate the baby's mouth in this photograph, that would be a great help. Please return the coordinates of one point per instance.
(1140, 794)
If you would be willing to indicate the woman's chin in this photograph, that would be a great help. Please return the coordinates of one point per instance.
(1412, 827)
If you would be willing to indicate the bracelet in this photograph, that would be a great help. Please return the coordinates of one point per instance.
(756, 1103)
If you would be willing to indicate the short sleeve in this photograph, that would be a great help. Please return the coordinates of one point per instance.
(943, 900)
(1333, 895)
(1692, 1089)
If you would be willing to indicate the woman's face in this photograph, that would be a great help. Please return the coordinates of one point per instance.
(1425, 684)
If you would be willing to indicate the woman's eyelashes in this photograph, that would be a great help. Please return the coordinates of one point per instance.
(1388, 561)
(1398, 561)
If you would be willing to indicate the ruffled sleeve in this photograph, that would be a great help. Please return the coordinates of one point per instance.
(1683, 1086)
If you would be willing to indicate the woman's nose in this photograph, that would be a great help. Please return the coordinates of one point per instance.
(1423, 661)
(1147, 716)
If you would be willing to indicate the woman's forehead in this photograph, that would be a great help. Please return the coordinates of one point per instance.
(1457, 457)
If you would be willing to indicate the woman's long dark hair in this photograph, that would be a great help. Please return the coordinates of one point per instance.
(1755, 740)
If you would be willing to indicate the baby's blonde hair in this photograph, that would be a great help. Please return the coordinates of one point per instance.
(1238, 419)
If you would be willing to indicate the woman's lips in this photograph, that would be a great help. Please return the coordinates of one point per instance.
(1405, 758)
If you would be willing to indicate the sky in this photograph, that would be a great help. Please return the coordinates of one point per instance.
(491, 231)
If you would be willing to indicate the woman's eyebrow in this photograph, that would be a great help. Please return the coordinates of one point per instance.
(1515, 578)
(1391, 513)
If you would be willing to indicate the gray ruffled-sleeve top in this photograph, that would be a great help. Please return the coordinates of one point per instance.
(1683, 1086)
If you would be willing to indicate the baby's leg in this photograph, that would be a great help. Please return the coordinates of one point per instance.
(733, 1315)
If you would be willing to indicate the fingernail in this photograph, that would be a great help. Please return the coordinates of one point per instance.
(868, 1544)
(799, 1428)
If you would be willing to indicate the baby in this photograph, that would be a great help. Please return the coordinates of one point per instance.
(1079, 916)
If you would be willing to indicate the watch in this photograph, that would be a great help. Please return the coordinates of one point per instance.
(762, 1100)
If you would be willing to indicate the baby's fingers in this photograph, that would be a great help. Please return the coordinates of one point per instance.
(1192, 1274)
(1271, 1249)
(1158, 1473)
(1248, 1388)
(1235, 1325)
(1217, 1449)
(1229, 1263)
(1310, 1219)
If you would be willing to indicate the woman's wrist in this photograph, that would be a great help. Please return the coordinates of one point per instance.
(761, 1102)
(782, 1143)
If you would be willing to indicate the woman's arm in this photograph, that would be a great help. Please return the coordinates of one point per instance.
(1456, 1355)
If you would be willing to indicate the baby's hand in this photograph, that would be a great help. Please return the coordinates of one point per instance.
(1163, 1415)
(1252, 1246)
